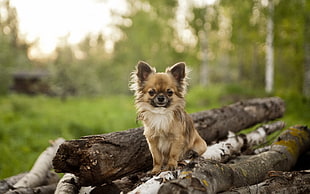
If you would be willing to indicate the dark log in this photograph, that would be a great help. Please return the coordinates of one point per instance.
(103, 158)
(212, 177)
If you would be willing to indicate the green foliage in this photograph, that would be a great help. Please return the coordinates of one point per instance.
(27, 124)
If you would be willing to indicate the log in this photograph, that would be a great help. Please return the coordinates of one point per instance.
(7, 184)
(48, 184)
(46, 189)
(278, 182)
(103, 158)
(212, 177)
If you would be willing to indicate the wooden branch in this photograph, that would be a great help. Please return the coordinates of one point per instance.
(104, 158)
(212, 177)
(40, 169)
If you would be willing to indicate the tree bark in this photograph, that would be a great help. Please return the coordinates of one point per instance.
(212, 177)
(103, 158)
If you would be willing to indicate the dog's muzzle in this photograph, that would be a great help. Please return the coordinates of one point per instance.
(160, 101)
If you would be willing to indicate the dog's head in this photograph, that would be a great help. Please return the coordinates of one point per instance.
(159, 89)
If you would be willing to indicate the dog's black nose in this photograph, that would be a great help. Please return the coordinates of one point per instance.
(161, 98)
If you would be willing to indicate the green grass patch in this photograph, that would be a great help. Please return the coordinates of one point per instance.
(28, 123)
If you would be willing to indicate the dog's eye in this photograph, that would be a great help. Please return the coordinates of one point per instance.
(152, 92)
(169, 92)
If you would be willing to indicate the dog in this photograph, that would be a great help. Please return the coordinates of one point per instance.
(160, 103)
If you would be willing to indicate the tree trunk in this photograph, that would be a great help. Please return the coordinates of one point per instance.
(269, 49)
(103, 158)
(212, 177)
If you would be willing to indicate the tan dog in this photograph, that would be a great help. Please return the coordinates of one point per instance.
(169, 130)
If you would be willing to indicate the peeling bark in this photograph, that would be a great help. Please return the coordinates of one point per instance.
(103, 158)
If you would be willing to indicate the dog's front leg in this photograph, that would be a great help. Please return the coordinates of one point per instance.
(176, 150)
(156, 155)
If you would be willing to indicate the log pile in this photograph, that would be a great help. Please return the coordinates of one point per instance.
(116, 162)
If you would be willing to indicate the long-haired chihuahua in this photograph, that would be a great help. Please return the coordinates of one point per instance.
(160, 103)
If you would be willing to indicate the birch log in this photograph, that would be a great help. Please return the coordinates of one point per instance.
(39, 171)
(103, 158)
(212, 177)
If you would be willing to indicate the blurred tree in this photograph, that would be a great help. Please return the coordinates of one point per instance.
(13, 50)
(289, 25)
(222, 42)
(269, 75)
(149, 37)
(306, 84)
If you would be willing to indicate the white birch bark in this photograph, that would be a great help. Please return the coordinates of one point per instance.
(269, 77)
(67, 184)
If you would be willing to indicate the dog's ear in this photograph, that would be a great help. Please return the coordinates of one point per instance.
(178, 71)
(144, 70)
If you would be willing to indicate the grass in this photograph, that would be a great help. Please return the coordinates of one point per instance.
(28, 123)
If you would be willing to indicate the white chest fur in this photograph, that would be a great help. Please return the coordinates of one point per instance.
(158, 119)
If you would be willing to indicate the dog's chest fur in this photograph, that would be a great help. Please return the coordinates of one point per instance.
(158, 120)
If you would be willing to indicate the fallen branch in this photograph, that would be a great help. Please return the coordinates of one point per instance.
(212, 177)
(40, 169)
(103, 158)
(222, 151)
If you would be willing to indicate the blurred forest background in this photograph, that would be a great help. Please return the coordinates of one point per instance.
(236, 49)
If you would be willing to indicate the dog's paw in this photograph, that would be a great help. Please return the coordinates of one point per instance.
(155, 170)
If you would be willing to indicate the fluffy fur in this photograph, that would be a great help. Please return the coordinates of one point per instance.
(159, 99)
